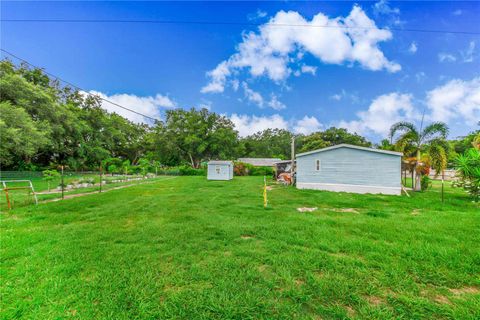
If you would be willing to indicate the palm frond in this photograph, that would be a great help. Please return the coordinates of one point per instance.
(436, 129)
(438, 158)
(402, 126)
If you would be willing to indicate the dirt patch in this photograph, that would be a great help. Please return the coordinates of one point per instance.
(305, 209)
(73, 313)
(441, 299)
(375, 301)
(262, 268)
(345, 210)
(247, 237)
(227, 253)
(299, 282)
(415, 212)
(269, 188)
(350, 311)
(465, 290)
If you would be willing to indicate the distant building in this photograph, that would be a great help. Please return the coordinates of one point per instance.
(260, 162)
(350, 168)
(220, 170)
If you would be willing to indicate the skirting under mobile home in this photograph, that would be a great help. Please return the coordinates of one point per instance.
(350, 168)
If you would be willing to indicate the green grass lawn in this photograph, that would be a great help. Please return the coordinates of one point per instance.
(187, 248)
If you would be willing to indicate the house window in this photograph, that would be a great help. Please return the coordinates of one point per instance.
(217, 169)
(318, 165)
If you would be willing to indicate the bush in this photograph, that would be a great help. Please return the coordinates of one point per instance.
(425, 182)
(246, 169)
(241, 169)
(184, 170)
(189, 171)
(262, 171)
(468, 173)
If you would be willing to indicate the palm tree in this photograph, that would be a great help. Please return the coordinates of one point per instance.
(438, 155)
(413, 140)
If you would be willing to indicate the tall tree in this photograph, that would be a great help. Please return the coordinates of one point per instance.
(330, 137)
(200, 135)
(269, 143)
(413, 140)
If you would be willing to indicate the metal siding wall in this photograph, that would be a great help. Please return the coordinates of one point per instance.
(223, 175)
(351, 166)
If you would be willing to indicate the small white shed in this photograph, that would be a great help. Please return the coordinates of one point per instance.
(220, 170)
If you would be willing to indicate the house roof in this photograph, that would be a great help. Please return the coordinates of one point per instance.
(344, 145)
(283, 161)
(260, 162)
(219, 162)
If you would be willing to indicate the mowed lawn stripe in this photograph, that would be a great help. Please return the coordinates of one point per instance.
(196, 249)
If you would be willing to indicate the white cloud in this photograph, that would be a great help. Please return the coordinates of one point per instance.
(218, 77)
(247, 125)
(205, 105)
(446, 57)
(353, 97)
(259, 14)
(309, 69)
(250, 124)
(420, 76)
(384, 111)
(468, 54)
(307, 125)
(457, 99)
(457, 12)
(271, 51)
(256, 98)
(252, 96)
(336, 97)
(148, 105)
(382, 7)
(413, 47)
(275, 104)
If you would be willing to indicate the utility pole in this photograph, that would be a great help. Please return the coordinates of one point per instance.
(292, 170)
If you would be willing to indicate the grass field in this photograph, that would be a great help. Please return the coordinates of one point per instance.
(187, 248)
(23, 197)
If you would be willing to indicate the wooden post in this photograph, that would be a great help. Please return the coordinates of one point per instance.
(63, 186)
(6, 195)
(443, 177)
(292, 170)
(33, 191)
(413, 169)
(100, 179)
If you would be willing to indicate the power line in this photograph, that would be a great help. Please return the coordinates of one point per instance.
(77, 87)
(232, 23)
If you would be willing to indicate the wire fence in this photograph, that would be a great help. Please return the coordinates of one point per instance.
(21, 188)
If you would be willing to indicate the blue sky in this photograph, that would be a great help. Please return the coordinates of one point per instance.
(303, 78)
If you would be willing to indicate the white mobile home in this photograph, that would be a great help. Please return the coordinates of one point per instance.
(350, 168)
(220, 170)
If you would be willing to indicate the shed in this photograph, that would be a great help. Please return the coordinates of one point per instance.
(260, 162)
(350, 168)
(220, 170)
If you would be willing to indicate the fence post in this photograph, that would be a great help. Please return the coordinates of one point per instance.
(63, 186)
(100, 179)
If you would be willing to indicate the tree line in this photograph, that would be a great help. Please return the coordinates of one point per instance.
(44, 124)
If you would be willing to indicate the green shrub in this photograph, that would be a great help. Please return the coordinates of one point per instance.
(189, 171)
(425, 182)
(241, 169)
(246, 169)
(468, 172)
(262, 171)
